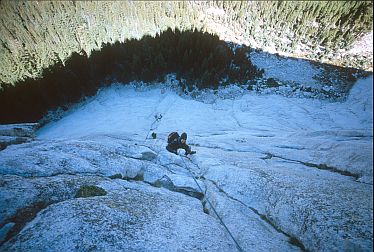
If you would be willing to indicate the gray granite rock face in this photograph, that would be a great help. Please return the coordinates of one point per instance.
(131, 217)
(17, 133)
(41, 179)
(153, 205)
(263, 179)
(316, 207)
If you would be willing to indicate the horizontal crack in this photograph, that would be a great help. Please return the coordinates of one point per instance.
(165, 182)
(318, 166)
(57, 174)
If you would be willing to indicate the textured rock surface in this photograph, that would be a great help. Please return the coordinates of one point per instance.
(273, 200)
(133, 216)
(17, 133)
(280, 174)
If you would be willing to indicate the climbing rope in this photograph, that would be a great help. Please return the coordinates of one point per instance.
(211, 205)
(158, 118)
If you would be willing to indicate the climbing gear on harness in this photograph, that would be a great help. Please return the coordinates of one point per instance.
(158, 117)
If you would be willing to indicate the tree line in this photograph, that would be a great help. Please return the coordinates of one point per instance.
(38, 34)
(199, 60)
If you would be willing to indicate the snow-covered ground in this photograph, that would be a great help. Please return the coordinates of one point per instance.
(282, 173)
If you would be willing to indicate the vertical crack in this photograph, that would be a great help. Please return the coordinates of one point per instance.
(291, 239)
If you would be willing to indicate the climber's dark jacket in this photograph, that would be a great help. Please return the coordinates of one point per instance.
(176, 144)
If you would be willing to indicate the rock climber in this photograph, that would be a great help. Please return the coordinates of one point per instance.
(176, 142)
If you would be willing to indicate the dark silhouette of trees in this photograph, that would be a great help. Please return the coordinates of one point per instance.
(199, 59)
